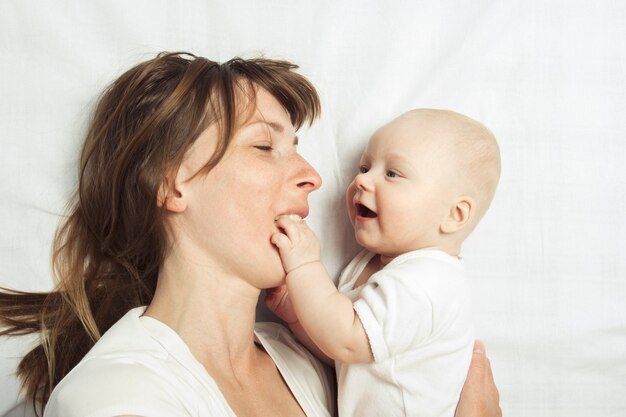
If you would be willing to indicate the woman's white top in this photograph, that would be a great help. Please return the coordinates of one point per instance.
(417, 314)
(142, 367)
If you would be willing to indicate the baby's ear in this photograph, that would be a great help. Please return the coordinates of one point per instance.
(170, 196)
(459, 215)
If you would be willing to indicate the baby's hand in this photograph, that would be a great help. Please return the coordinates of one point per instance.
(277, 300)
(297, 244)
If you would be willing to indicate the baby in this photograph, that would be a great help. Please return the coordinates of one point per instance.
(399, 325)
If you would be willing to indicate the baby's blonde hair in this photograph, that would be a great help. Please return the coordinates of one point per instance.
(477, 154)
(474, 150)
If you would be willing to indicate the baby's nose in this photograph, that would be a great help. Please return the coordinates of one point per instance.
(362, 181)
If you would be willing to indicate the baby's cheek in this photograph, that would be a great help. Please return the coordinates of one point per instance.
(350, 191)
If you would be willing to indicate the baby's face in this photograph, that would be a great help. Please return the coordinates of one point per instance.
(403, 191)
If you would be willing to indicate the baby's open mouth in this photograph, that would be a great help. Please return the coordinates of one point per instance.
(363, 211)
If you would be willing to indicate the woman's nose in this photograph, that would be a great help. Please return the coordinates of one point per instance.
(308, 178)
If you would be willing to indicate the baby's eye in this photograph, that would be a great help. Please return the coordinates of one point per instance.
(391, 174)
(363, 169)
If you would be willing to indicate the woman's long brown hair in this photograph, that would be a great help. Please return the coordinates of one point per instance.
(107, 253)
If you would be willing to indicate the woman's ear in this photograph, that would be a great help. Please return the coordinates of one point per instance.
(459, 216)
(170, 197)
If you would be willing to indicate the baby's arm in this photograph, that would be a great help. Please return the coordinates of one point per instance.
(278, 301)
(326, 315)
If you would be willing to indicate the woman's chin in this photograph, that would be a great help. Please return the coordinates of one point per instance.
(274, 275)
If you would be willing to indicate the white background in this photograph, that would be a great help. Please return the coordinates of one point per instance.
(548, 77)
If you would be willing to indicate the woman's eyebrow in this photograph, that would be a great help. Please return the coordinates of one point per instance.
(277, 127)
(274, 125)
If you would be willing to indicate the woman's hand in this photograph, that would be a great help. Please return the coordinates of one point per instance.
(480, 397)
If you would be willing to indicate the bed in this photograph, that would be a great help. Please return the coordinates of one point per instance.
(547, 268)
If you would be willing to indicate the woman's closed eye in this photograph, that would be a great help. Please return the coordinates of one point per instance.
(265, 148)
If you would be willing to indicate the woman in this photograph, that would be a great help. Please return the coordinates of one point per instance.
(185, 166)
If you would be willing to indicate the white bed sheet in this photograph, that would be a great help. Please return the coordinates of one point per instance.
(549, 78)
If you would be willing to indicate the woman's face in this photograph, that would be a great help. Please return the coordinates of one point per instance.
(229, 216)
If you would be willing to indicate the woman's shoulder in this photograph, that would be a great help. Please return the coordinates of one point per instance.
(108, 387)
(310, 381)
(134, 370)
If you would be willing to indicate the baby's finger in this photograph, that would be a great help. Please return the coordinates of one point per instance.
(280, 240)
(274, 296)
(278, 292)
(290, 228)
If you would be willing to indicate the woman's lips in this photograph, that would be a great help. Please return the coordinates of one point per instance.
(294, 217)
(294, 214)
